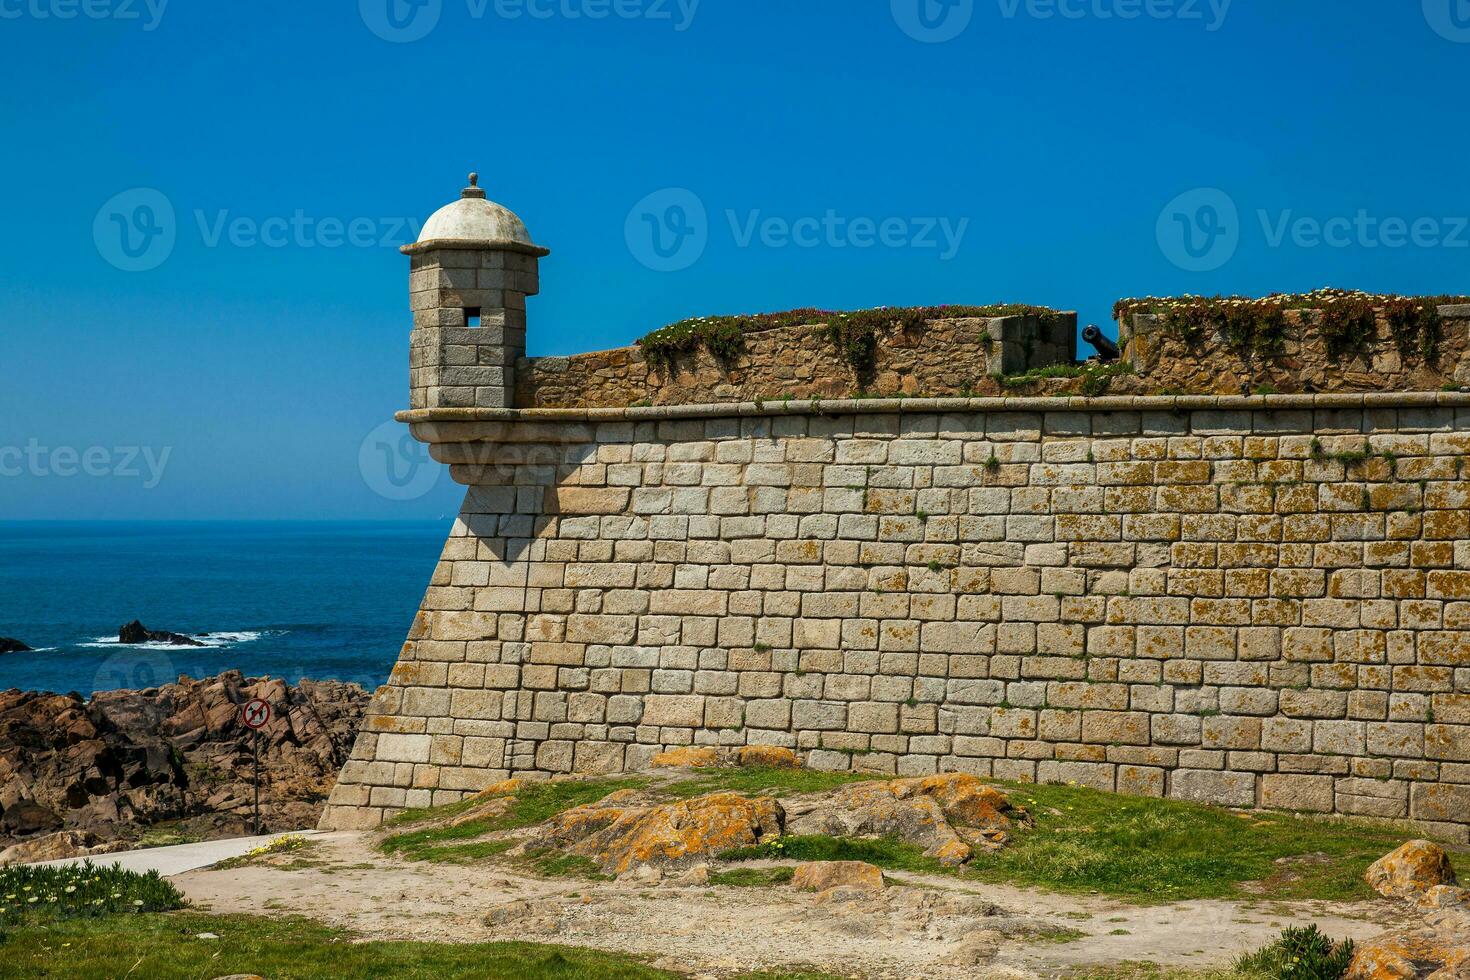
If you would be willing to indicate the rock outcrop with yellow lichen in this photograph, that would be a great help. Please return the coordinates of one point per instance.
(628, 829)
(1439, 947)
(949, 815)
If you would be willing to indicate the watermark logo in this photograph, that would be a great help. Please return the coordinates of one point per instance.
(668, 230)
(136, 230)
(401, 21)
(135, 669)
(1199, 231)
(147, 13)
(395, 465)
(1449, 18)
(145, 463)
(933, 21)
(1210, 13)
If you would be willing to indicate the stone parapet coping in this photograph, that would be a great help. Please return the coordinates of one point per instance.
(914, 406)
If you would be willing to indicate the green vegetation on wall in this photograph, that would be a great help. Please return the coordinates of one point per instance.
(854, 333)
(1260, 326)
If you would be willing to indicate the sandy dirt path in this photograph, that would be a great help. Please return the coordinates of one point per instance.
(920, 927)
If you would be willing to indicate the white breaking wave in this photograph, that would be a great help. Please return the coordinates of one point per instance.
(213, 641)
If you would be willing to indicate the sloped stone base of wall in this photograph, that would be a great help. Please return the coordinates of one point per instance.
(1254, 602)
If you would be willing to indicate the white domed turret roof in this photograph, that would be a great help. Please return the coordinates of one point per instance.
(475, 220)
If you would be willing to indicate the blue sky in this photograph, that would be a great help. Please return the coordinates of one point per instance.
(1068, 146)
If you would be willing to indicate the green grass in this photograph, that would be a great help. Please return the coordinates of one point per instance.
(31, 895)
(1143, 850)
(885, 852)
(1162, 850)
(535, 803)
(1140, 849)
(166, 947)
(752, 877)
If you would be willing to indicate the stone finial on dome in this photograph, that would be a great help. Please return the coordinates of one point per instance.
(474, 190)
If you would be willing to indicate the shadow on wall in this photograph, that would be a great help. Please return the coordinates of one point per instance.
(516, 489)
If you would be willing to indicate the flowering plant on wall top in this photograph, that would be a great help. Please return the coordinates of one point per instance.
(1348, 319)
(854, 333)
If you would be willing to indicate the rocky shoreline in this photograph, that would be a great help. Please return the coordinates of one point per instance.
(86, 776)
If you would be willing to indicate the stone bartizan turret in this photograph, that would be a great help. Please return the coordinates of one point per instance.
(471, 271)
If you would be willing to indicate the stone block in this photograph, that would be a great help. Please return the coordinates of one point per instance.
(1220, 788)
(686, 711)
(1312, 794)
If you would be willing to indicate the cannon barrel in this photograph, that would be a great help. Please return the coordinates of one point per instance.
(1106, 349)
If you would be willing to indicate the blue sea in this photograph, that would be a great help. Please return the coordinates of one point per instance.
(287, 600)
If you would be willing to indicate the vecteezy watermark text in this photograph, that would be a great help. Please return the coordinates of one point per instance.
(144, 463)
(1364, 230)
(301, 230)
(832, 230)
(1210, 13)
(1201, 230)
(670, 229)
(937, 21)
(148, 13)
(137, 230)
(405, 21)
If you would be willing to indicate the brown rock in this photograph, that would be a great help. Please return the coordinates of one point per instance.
(127, 759)
(976, 949)
(626, 830)
(772, 756)
(1446, 897)
(948, 815)
(819, 876)
(688, 757)
(507, 912)
(52, 847)
(1438, 950)
(1411, 871)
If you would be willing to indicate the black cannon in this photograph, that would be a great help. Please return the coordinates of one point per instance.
(1106, 350)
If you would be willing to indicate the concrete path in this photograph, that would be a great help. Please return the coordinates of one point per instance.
(179, 858)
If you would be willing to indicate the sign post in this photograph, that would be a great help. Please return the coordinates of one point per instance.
(255, 715)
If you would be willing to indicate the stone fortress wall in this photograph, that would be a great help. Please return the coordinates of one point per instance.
(1136, 577)
(1252, 601)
